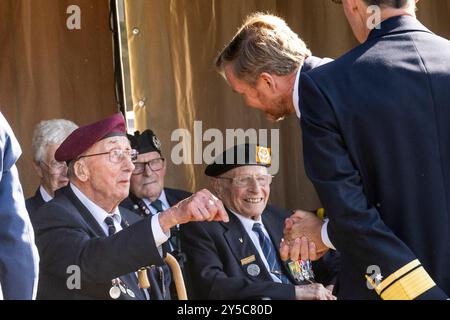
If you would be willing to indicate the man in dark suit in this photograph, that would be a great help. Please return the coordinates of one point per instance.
(375, 135)
(89, 249)
(148, 196)
(264, 62)
(240, 259)
(376, 145)
(47, 137)
(19, 259)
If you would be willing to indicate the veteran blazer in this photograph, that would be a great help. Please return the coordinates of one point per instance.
(68, 235)
(221, 256)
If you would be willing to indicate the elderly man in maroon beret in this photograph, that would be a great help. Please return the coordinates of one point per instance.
(90, 248)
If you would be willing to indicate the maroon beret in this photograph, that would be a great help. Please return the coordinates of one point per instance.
(85, 137)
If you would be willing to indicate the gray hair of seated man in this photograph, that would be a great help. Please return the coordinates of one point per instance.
(50, 132)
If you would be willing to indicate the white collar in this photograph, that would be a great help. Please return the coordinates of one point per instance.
(44, 194)
(247, 222)
(162, 197)
(295, 96)
(97, 212)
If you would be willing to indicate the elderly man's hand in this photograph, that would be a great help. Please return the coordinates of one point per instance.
(302, 235)
(201, 206)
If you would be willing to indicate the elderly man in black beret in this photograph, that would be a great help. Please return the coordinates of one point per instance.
(90, 248)
(148, 194)
(240, 259)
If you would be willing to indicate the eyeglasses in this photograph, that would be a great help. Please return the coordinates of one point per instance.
(246, 180)
(337, 1)
(116, 155)
(154, 165)
(56, 167)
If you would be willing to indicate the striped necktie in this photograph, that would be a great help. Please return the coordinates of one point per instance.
(269, 252)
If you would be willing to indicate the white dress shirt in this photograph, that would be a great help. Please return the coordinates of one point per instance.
(248, 226)
(44, 194)
(162, 198)
(296, 100)
(295, 94)
(100, 215)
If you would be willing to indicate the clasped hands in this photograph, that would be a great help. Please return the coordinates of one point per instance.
(303, 241)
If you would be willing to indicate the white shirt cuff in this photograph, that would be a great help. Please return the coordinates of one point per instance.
(324, 234)
(158, 234)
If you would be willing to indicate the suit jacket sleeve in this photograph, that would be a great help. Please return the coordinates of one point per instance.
(356, 228)
(19, 259)
(63, 241)
(209, 280)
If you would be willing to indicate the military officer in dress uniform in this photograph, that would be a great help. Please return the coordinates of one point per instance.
(240, 259)
(376, 143)
(90, 247)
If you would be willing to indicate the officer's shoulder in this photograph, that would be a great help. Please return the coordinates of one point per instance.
(341, 65)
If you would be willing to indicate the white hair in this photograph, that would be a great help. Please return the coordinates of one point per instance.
(50, 132)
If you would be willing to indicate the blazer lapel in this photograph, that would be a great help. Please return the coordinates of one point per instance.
(84, 212)
(244, 250)
(275, 226)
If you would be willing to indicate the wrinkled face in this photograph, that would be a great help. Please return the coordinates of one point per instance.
(150, 183)
(53, 173)
(109, 177)
(259, 96)
(249, 201)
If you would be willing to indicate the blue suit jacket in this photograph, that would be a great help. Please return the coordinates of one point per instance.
(34, 203)
(18, 255)
(216, 251)
(376, 140)
(68, 235)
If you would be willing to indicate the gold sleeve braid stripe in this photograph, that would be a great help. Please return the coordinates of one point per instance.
(407, 283)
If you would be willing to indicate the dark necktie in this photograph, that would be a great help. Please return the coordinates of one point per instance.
(269, 252)
(112, 230)
(157, 204)
(110, 223)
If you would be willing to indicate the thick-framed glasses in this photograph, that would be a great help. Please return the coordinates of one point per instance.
(55, 167)
(116, 155)
(154, 165)
(247, 180)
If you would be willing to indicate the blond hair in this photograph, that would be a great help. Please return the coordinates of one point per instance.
(264, 43)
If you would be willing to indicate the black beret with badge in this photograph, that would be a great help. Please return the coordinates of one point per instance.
(145, 142)
(238, 156)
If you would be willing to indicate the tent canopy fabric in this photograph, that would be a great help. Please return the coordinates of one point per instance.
(48, 71)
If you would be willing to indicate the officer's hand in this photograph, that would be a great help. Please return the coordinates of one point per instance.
(298, 249)
(300, 225)
(315, 291)
(201, 206)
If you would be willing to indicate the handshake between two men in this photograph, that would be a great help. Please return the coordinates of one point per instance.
(302, 237)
